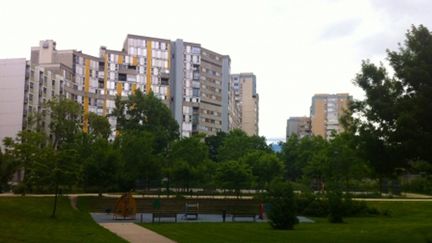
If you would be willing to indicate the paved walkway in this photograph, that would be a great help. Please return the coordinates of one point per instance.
(405, 196)
(134, 233)
(213, 218)
(73, 201)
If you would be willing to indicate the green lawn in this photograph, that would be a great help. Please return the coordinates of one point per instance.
(409, 222)
(26, 219)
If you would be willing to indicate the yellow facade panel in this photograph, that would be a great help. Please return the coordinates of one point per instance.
(135, 61)
(119, 88)
(149, 67)
(134, 86)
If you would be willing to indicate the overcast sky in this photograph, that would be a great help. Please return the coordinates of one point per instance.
(295, 48)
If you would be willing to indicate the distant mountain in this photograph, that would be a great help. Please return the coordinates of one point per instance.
(274, 140)
(276, 147)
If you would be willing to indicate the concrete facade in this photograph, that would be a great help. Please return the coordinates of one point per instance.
(246, 102)
(191, 80)
(300, 126)
(12, 82)
(326, 110)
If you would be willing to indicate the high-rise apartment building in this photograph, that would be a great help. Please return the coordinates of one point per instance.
(244, 108)
(326, 110)
(300, 126)
(200, 89)
(191, 80)
(12, 76)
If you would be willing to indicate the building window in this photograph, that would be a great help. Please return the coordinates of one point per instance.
(122, 76)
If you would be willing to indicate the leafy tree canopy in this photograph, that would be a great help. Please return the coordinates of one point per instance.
(393, 122)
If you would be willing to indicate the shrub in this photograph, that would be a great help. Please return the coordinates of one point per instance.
(282, 214)
(419, 185)
(311, 205)
(20, 188)
(315, 206)
(336, 205)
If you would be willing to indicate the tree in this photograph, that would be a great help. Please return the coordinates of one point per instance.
(99, 126)
(7, 167)
(141, 165)
(147, 113)
(23, 152)
(101, 168)
(144, 124)
(65, 121)
(214, 142)
(189, 160)
(265, 167)
(335, 203)
(336, 161)
(237, 143)
(283, 210)
(344, 162)
(54, 170)
(65, 127)
(393, 122)
(233, 175)
(298, 153)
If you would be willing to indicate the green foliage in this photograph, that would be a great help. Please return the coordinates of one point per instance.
(419, 185)
(99, 126)
(234, 175)
(344, 163)
(101, 169)
(319, 161)
(265, 167)
(24, 153)
(237, 143)
(298, 153)
(7, 167)
(190, 149)
(65, 121)
(283, 210)
(393, 122)
(141, 164)
(214, 142)
(189, 161)
(318, 206)
(311, 205)
(146, 113)
(335, 205)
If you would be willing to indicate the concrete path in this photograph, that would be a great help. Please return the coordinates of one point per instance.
(134, 233)
(202, 218)
(73, 201)
(405, 196)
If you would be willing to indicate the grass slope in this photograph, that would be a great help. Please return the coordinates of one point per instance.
(26, 219)
(409, 222)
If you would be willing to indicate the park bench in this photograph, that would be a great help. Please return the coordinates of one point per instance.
(249, 211)
(191, 211)
(159, 215)
(243, 215)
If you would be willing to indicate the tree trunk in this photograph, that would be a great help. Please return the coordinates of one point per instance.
(168, 188)
(55, 201)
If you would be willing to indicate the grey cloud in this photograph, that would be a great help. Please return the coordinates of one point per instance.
(377, 44)
(402, 14)
(403, 7)
(341, 29)
(406, 11)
